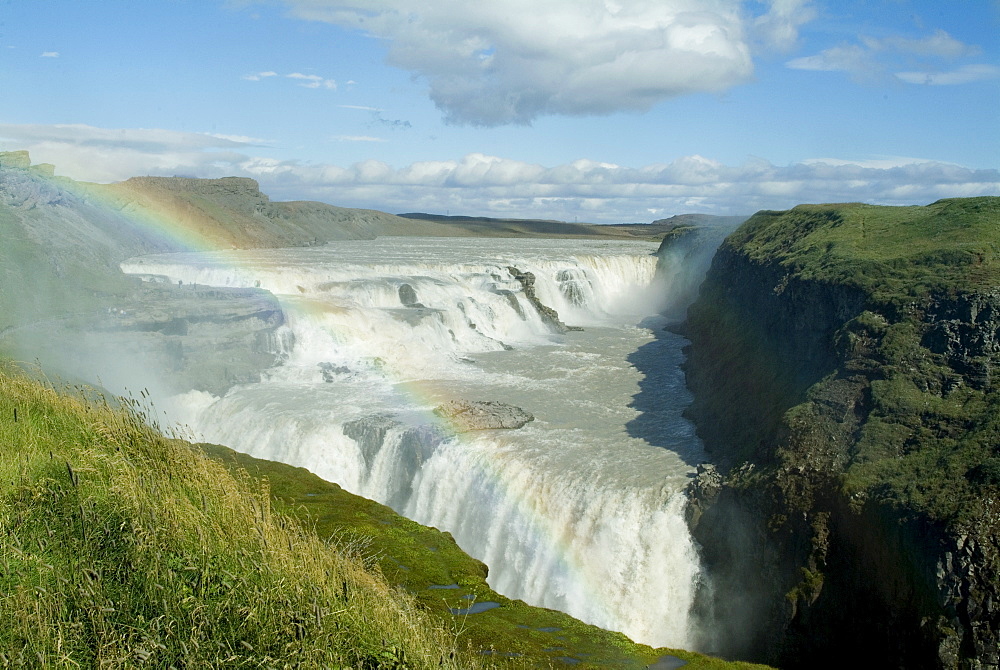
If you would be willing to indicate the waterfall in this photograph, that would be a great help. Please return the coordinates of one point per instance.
(570, 512)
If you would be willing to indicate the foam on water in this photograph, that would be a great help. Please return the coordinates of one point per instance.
(575, 511)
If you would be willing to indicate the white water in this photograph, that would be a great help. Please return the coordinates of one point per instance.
(580, 510)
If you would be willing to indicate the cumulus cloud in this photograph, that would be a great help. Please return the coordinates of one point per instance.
(587, 189)
(605, 193)
(490, 63)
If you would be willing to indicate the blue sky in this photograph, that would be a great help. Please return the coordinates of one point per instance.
(590, 110)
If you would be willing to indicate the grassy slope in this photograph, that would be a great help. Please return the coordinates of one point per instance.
(122, 547)
(927, 443)
(895, 254)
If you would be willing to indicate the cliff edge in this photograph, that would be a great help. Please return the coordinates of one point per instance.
(843, 364)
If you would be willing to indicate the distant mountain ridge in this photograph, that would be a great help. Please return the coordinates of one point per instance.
(504, 227)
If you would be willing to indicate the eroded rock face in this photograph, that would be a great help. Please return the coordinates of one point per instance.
(966, 329)
(465, 415)
(789, 377)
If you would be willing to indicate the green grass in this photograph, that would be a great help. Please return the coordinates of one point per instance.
(122, 548)
(891, 253)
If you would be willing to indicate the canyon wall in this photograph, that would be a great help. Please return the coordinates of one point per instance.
(841, 361)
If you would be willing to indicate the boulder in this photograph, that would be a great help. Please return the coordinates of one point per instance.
(465, 415)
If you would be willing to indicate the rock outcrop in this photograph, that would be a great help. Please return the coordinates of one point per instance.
(842, 371)
(466, 415)
(550, 317)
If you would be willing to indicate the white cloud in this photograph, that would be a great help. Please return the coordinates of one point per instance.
(49, 54)
(493, 185)
(260, 75)
(313, 80)
(966, 74)
(111, 154)
(847, 57)
(873, 59)
(779, 28)
(305, 80)
(490, 63)
(939, 44)
(361, 107)
(358, 138)
(241, 139)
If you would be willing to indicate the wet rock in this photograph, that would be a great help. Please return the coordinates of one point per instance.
(331, 372)
(465, 415)
(549, 316)
(702, 492)
(408, 297)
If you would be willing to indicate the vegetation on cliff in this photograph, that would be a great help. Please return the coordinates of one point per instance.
(930, 424)
(843, 365)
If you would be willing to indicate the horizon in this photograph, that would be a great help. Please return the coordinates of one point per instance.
(602, 112)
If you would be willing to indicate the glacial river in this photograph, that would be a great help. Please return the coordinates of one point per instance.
(581, 509)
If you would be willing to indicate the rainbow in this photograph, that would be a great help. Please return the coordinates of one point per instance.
(171, 225)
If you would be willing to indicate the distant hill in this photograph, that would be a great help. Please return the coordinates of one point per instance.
(485, 226)
(233, 213)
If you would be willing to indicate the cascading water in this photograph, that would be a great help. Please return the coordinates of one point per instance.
(572, 511)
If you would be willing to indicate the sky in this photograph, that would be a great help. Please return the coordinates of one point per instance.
(606, 111)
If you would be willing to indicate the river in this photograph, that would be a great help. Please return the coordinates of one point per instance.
(581, 509)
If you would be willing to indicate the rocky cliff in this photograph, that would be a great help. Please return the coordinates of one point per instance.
(841, 363)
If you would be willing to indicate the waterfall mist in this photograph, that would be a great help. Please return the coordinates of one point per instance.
(573, 511)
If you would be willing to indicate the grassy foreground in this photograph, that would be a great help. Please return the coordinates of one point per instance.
(122, 548)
